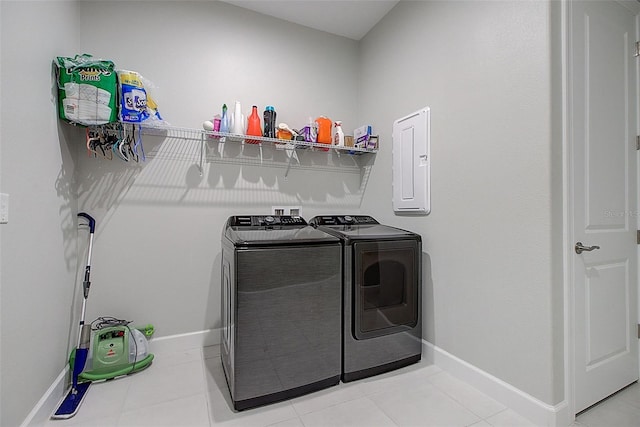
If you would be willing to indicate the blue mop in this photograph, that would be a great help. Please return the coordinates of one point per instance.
(69, 406)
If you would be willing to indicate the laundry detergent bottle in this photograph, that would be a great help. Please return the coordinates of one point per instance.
(324, 131)
(253, 126)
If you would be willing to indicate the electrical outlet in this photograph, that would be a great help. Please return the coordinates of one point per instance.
(286, 210)
(4, 208)
(295, 211)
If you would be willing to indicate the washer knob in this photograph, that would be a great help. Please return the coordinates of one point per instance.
(269, 219)
(348, 218)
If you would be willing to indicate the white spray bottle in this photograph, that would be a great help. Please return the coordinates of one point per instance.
(338, 135)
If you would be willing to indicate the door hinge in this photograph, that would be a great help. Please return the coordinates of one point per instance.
(637, 49)
(638, 142)
(638, 237)
(638, 331)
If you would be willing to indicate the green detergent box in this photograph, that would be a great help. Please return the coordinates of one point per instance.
(87, 90)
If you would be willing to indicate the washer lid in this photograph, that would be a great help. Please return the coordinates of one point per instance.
(274, 231)
(298, 236)
(362, 228)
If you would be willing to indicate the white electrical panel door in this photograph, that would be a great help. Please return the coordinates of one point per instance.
(412, 163)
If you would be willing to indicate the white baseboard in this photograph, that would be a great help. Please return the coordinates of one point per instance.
(48, 402)
(162, 345)
(533, 409)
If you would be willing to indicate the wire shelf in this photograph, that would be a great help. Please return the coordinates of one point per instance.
(202, 146)
(196, 134)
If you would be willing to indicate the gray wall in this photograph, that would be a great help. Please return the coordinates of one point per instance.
(157, 248)
(38, 264)
(484, 68)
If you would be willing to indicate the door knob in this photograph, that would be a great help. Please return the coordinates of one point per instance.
(581, 248)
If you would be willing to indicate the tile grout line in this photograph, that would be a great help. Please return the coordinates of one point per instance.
(465, 406)
(324, 407)
(486, 420)
(202, 392)
(124, 401)
(206, 390)
(329, 406)
(393, 420)
(284, 421)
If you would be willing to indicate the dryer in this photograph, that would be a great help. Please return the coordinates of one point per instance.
(281, 309)
(382, 289)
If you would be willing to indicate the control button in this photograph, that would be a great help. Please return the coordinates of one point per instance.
(348, 218)
(269, 219)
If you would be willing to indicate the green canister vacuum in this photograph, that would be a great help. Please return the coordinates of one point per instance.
(106, 348)
(116, 349)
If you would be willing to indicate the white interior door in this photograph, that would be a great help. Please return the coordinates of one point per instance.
(603, 113)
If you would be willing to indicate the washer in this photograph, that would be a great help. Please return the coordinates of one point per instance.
(281, 309)
(382, 281)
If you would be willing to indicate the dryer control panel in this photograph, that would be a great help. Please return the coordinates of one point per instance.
(266, 221)
(342, 220)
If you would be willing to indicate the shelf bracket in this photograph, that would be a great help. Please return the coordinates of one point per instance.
(294, 151)
(202, 147)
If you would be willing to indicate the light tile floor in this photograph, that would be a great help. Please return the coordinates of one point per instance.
(189, 389)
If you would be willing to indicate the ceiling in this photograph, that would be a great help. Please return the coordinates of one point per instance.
(347, 18)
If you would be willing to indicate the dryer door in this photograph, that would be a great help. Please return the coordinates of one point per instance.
(386, 287)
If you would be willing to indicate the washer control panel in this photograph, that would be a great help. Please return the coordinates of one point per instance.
(343, 220)
(266, 221)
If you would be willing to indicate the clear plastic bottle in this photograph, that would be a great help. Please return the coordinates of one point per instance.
(313, 130)
(309, 132)
(224, 122)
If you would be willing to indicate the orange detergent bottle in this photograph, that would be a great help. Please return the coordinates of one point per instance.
(253, 126)
(324, 131)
